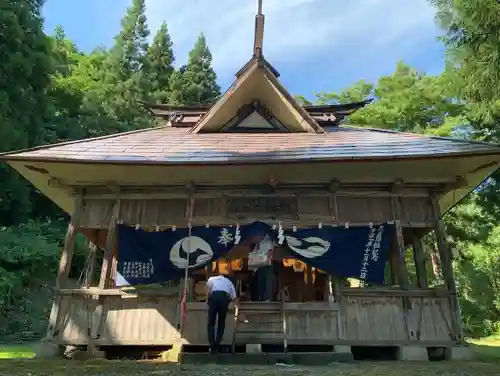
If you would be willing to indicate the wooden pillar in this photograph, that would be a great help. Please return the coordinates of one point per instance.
(184, 287)
(334, 281)
(107, 261)
(114, 267)
(393, 263)
(402, 273)
(65, 265)
(446, 257)
(310, 284)
(419, 257)
(104, 277)
(92, 249)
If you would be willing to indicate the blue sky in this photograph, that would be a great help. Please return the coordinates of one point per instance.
(316, 45)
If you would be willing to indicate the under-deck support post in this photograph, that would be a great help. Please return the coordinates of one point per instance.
(447, 268)
(104, 277)
(419, 257)
(65, 265)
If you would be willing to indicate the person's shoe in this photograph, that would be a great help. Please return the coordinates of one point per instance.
(212, 350)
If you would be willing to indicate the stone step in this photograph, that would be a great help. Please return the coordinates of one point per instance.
(318, 359)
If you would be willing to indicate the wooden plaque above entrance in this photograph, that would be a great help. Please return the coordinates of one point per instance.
(263, 206)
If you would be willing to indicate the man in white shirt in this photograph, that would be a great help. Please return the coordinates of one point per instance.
(220, 292)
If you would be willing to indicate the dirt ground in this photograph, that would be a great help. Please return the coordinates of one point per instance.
(109, 368)
(15, 360)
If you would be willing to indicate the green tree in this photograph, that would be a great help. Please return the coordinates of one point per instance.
(159, 65)
(360, 91)
(473, 50)
(25, 70)
(177, 86)
(124, 81)
(196, 83)
(407, 100)
(473, 45)
(128, 54)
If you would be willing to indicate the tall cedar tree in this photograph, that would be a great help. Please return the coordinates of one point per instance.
(473, 44)
(196, 83)
(159, 66)
(124, 79)
(24, 105)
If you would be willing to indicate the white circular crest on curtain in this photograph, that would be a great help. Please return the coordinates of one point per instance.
(191, 249)
(309, 247)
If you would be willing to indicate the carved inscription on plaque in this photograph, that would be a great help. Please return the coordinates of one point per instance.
(270, 206)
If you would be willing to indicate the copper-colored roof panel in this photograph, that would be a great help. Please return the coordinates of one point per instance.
(176, 145)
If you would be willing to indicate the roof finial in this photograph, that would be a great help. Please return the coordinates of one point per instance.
(259, 31)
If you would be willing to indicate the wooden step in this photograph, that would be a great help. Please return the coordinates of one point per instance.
(259, 312)
(249, 322)
(257, 331)
(250, 318)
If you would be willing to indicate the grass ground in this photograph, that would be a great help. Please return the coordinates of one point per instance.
(13, 362)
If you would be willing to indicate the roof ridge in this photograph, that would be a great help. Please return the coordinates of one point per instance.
(73, 142)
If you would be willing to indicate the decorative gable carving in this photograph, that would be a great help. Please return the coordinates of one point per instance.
(254, 117)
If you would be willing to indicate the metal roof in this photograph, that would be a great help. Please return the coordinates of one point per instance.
(168, 145)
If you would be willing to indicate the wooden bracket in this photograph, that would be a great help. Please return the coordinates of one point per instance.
(333, 186)
(398, 186)
(114, 188)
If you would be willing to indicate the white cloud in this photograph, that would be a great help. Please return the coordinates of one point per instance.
(296, 30)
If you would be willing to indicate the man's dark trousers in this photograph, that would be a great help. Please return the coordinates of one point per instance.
(218, 305)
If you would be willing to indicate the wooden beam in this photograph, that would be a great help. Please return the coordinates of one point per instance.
(201, 191)
(310, 284)
(446, 257)
(400, 254)
(65, 264)
(110, 246)
(419, 257)
(105, 274)
(69, 244)
(393, 263)
(402, 273)
(90, 271)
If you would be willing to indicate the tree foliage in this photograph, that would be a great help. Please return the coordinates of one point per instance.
(52, 92)
(473, 39)
(196, 82)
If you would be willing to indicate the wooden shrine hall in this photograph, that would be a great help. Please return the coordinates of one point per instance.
(256, 155)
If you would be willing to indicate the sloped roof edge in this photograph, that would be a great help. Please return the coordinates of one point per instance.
(73, 142)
